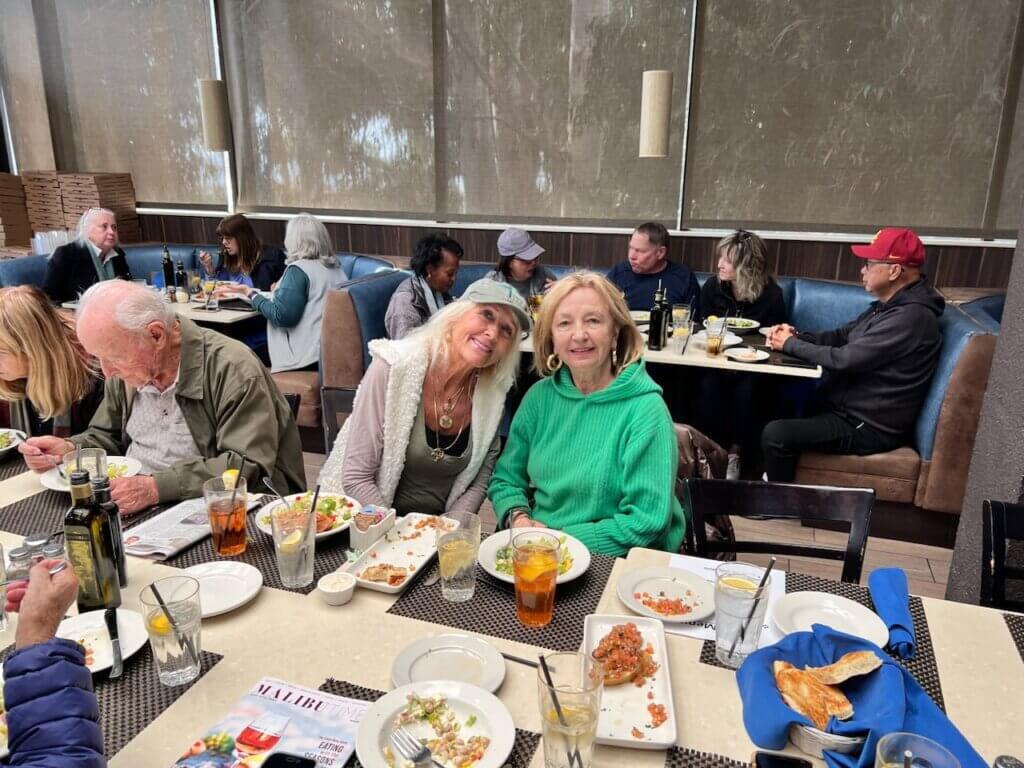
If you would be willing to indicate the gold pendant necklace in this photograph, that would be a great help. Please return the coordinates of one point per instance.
(445, 421)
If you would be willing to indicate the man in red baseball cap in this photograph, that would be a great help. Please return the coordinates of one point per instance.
(877, 368)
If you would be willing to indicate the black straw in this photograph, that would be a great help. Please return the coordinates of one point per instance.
(574, 755)
(241, 476)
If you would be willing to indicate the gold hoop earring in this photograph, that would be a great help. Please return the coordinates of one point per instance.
(553, 366)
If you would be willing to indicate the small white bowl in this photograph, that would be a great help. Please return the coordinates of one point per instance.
(336, 588)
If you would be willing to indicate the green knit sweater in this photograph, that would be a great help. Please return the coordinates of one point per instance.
(600, 467)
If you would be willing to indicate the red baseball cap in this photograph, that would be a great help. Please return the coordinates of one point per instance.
(899, 246)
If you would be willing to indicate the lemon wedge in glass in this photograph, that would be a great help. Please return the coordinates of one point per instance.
(290, 543)
(230, 478)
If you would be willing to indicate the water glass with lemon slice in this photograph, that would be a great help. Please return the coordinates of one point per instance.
(173, 618)
(226, 502)
(294, 544)
(739, 611)
(457, 549)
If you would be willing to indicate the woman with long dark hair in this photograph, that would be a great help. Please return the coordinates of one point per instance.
(243, 259)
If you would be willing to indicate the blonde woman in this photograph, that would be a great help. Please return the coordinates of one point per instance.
(592, 450)
(49, 383)
(423, 434)
(730, 406)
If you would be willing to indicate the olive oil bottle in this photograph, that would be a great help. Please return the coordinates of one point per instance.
(101, 495)
(90, 546)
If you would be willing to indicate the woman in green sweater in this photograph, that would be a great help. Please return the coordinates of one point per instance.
(592, 450)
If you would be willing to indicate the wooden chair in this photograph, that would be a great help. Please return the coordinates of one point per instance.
(775, 501)
(1001, 523)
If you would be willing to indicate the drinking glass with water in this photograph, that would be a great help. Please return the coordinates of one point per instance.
(739, 611)
(458, 544)
(569, 708)
(173, 616)
(294, 544)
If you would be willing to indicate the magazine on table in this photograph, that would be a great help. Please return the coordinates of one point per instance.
(173, 530)
(275, 716)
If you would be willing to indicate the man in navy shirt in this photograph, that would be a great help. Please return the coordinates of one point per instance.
(647, 265)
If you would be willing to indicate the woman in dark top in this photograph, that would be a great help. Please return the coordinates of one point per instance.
(243, 259)
(729, 410)
(49, 384)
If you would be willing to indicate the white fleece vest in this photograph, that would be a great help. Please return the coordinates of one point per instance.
(408, 361)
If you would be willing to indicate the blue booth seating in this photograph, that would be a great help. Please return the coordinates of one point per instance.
(987, 310)
(24, 270)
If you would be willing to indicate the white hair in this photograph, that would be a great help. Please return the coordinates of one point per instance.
(87, 217)
(306, 238)
(436, 335)
(132, 306)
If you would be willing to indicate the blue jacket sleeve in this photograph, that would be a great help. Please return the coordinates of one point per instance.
(289, 302)
(52, 712)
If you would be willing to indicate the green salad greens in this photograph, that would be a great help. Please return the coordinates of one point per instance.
(503, 559)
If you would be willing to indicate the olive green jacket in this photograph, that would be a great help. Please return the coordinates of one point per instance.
(232, 408)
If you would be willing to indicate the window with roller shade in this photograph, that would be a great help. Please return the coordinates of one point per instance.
(120, 93)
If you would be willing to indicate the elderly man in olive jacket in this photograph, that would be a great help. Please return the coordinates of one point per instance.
(188, 403)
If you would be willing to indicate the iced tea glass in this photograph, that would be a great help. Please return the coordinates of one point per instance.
(225, 503)
(457, 549)
(570, 725)
(535, 559)
(715, 331)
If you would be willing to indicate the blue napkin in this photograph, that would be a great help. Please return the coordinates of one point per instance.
(889, 591)
(886, 700)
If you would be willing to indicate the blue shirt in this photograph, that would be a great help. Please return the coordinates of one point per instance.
(678, 280)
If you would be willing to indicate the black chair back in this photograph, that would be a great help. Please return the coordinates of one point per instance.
(775, 501)
(294, 400)
(1001, 523)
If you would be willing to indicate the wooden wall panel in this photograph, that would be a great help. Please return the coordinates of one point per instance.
(947, 266)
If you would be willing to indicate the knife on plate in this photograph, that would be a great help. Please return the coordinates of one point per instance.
(110, 616)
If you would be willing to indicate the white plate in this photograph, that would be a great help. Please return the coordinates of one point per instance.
(577, 551)
(51, 478)
(340, 523)
(492, 720)
(225, 585)
(405, 546)
(16, 437)
(672, 583)
(747, 355)
(797, 611)
(731, 339)
(624, 707)
(462, 658)
(640, 315)
(90, 630)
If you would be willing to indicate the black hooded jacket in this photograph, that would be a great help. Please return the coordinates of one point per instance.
(879, 366)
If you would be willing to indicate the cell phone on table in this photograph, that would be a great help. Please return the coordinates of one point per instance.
(284, 760)
(766, 760)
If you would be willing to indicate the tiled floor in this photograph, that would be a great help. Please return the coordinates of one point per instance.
(927, 567)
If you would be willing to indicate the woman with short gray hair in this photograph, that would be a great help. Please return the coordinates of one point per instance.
(295, 310)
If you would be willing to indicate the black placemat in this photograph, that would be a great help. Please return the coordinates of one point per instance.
(134, 700)
(12, 465)
(522, 750)
(1015, 623)
(492, 610)
(259, 553)
(41, 512)
(679, 757)
(922, 666)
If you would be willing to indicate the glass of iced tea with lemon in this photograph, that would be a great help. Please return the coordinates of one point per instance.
(739, 611)
(535, 559)
(458, 543)
(225, 502)
(173, 615)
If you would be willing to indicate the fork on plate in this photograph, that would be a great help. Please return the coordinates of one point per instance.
(410, 748)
